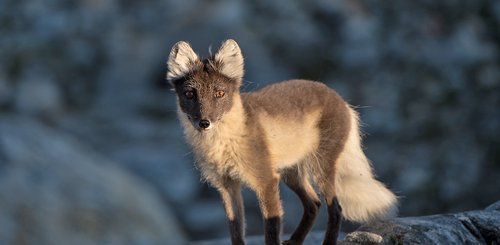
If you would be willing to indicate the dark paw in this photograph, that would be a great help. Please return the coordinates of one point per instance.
(290, 242)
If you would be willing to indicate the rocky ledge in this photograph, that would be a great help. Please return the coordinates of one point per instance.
(472, 227)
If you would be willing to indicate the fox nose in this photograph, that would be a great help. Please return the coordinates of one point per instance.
(204, 123)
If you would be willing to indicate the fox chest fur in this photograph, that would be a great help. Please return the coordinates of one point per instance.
(222, 150)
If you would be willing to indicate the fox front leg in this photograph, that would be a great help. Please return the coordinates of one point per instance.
(230, 191)
(270, 205)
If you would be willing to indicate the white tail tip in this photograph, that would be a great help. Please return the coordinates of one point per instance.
(361, 196)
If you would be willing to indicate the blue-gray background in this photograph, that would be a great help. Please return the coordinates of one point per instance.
(91, 151)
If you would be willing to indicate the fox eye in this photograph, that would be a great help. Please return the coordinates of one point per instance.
(219, 94)
(189, 94)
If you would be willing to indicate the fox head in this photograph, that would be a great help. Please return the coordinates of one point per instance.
(205, 88)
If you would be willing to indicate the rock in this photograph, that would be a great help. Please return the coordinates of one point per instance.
(363, 237)
(494, 207)
(473, 227)
(53, 190)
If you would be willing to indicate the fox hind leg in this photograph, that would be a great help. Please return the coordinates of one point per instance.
(326, 185)
(334, 220)
(298, 182)
(334, 134)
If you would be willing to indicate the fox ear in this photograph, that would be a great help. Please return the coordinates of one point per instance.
(230, 60)
(181, 60)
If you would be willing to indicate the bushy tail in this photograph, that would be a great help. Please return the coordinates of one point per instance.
(361, 196)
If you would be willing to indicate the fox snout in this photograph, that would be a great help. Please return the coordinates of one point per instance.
(201, 124)
(204, 124)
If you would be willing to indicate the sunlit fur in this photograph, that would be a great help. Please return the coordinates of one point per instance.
(361, 196)
(181, 60)
(221, 149)
(231, 60)
(299, 131)
(282, 133)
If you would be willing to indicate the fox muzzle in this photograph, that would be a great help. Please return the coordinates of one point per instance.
(204, 124)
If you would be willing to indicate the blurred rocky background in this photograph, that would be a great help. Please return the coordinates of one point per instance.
(91, 151)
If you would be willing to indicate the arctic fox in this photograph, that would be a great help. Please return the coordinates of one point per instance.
(298, 131)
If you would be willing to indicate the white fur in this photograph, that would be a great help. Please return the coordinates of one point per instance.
(231, 59)
(361, 196)
(181, 59)
(282, 137)
(223, 147)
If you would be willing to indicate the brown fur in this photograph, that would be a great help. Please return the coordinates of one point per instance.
(294, 130)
